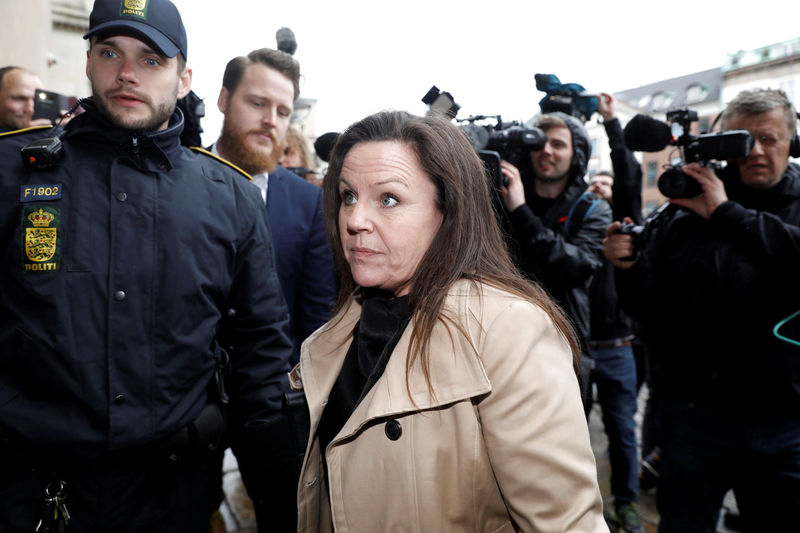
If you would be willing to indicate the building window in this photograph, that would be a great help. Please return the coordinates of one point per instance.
(652, 173)
(696, 92)
(662, 100)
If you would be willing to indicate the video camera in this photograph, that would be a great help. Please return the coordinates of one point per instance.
(647, 134)
(494, 141)
(511, 140)
(569, 98)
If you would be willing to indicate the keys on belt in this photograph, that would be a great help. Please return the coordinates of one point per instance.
(56, 516)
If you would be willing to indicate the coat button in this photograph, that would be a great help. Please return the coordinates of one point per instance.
(393, 429)
(121, 196)
(119, 296)
(119, 399)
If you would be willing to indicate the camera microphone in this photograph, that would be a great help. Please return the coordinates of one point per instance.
(286, 40)
(646, 134)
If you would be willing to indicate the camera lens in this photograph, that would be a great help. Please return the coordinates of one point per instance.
(674, 183)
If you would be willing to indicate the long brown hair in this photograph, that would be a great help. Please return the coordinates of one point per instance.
(468, 244)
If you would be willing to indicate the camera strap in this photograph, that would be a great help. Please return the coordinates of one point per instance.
(584, 205)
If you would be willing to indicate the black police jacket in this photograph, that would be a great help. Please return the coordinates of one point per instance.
(709, 292)
(123, 268)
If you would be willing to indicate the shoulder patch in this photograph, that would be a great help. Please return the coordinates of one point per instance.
(221, 160)
(24, 130)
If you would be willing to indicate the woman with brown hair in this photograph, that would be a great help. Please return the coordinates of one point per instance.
(442, 395)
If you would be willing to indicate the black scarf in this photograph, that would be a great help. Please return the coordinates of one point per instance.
(383, 320)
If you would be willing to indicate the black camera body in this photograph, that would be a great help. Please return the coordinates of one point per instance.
(637, 231)
(642, 232)
(674, 183)
(511, 140)
(643, 133)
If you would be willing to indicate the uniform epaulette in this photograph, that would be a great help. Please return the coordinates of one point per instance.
(24, 130)
(221, 160)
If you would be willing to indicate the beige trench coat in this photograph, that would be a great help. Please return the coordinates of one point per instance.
(503, 446)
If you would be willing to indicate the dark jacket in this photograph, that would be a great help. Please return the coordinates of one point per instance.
(608, 320)
(563, 262)
(707, 294)
(302, 254)
(123, 268)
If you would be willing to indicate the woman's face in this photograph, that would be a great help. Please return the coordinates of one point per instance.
(388, 215)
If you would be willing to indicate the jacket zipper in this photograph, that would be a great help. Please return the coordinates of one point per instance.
(135, 143)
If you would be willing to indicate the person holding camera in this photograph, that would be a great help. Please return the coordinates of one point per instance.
(713, 288)
(555, 226)
(615, 371)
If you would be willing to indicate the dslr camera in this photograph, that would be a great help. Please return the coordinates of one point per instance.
(642, 232)
(647, 134)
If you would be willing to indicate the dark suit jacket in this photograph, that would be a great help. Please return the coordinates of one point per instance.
(302, 255)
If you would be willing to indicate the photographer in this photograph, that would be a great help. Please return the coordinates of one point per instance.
(560, 251)
(708, 288)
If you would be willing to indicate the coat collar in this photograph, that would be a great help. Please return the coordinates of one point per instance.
(455, 368)
(149, 150)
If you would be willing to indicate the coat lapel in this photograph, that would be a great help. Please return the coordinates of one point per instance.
(456, 374)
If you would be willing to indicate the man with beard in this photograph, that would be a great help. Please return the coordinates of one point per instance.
(131, 270)
(257, 98)
(555, 231)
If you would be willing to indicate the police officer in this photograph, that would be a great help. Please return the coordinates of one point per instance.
(131, 269)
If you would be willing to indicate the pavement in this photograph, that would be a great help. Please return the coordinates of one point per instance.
(238, 517)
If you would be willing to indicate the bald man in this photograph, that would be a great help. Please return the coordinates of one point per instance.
(17, 87)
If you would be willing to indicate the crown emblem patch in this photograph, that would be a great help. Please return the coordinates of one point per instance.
(42, 245)
(134, 8)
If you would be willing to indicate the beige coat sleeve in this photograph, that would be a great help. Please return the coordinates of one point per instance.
(534, 426)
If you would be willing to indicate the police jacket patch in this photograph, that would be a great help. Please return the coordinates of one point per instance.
(41, 240)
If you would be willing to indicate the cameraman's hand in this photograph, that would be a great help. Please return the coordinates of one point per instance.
(617, 246)
(40, 122)
(514, 194)
(713, 191)
(606, 105)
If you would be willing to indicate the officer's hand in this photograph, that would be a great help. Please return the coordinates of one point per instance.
(713, 191)
(606, 105)
(513, 194)
(618, 246)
